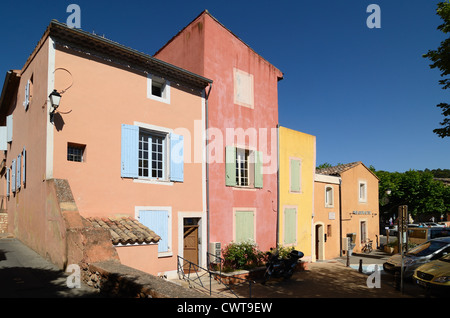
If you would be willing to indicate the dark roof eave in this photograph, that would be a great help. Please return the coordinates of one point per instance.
(62, 31)
(10, 83)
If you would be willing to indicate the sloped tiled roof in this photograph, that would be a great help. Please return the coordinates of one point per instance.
(125, 230)
(337, 170)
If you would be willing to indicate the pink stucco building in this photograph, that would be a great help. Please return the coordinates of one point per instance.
(128, 139)
(242, 113)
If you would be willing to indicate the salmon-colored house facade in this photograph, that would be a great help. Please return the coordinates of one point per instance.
(128, 138)
(346, 206)
(242, 112)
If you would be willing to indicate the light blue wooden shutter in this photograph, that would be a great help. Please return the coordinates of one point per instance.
(27, 95)
(3, 138)
(258, 169)
(24, 165)
(176, 158)
(19, 167)
(157, 221)
(129, 151)
(230, 166)
(9, 128)
(8, 184)
(13, 176)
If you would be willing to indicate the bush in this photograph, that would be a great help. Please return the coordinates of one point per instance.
(242, 255)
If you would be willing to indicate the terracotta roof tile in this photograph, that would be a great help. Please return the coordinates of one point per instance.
(125, 230)
(336, 170)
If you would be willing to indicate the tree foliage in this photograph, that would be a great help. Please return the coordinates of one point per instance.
(440, 59)
(417, 189)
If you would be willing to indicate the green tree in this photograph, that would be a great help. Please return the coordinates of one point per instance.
(440, 59)
(416, 189)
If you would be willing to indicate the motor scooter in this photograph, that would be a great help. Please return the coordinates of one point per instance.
(278, 267)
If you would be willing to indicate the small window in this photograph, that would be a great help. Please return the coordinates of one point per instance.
(158, 89)
(362, 192)
(329, 200)
(75, 152)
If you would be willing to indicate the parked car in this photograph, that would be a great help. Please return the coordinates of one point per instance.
(420, 235)
(434, 276)
(421, 254)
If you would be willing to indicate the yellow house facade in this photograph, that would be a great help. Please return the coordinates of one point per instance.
(297, 161)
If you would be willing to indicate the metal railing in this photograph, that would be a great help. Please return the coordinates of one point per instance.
(191, 272)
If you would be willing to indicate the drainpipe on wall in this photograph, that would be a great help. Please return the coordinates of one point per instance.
(278, 185)
(340, 217)
(207, 170)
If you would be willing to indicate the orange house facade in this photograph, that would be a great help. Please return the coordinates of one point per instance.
(242, 109)
(127, 136)
(345, 206)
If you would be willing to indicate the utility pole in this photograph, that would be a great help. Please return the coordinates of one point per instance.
(403, 239)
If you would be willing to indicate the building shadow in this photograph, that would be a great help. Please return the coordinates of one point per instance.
(26, 282)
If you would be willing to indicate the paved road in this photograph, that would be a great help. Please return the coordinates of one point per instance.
(25, 274)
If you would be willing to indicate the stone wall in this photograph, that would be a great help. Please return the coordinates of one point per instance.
(114, 279)
(3, 222)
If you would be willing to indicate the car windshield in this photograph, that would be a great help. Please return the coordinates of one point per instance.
(426, 248)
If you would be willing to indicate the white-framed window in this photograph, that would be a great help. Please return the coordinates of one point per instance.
(243, 167)
(362, 191)
(151, 153)
(158, 89)
(329, 196)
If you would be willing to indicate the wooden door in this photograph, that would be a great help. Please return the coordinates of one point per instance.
(190, 250)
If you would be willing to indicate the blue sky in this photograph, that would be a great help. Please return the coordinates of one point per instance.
(366, 94)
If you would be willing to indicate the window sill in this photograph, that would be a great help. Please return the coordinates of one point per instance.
(165, 254)
(153, 181)
(248, 188)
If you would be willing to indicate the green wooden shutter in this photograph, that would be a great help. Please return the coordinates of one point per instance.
(245, 229)
(295, 175)
(258, 169)
(290, 225)
(230, 166)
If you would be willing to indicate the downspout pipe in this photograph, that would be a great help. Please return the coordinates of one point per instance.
(207, 171)
(340, 217)
(278, 187)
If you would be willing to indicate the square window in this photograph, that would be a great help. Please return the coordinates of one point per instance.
(75, 152)
(158, 89)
